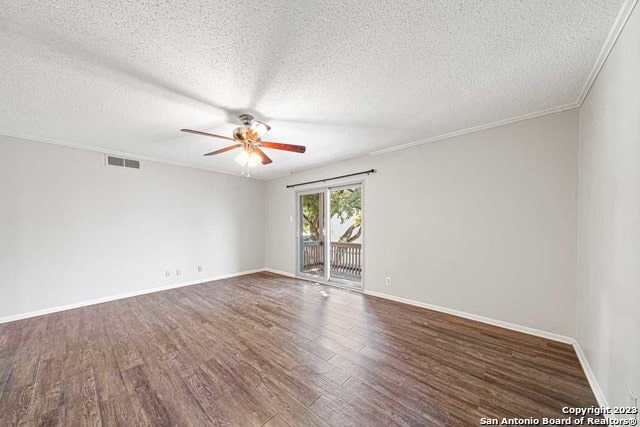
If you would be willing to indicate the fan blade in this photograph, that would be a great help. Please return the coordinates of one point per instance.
(197, 132)
(223, 150)
(265, 159)
(284, 147)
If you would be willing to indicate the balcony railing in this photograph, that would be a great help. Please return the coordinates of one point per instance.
(346, 258)
(312, 255)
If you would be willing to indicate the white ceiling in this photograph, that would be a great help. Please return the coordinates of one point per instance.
(342, 78)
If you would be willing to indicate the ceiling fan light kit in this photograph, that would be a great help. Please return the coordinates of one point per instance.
(249, 138)
(246, 158)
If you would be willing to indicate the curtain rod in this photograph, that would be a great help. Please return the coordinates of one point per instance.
(331, 179)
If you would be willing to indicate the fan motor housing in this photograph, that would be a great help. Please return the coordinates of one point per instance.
(246, 119)
(241, 133)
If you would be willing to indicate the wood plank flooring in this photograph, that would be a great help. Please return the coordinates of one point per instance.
(265, 350)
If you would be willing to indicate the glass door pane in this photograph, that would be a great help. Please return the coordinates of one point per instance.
(312, 227)
(345, 229)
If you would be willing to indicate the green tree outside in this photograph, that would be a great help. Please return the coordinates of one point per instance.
(345, 205)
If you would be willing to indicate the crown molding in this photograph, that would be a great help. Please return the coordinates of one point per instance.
(614, 33)
(612, 38)
(478, 128)
(610, 41)
(109, 151)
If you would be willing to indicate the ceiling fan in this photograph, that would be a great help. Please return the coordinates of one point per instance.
(249, 138)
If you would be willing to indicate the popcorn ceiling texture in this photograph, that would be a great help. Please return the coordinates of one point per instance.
(343, 78)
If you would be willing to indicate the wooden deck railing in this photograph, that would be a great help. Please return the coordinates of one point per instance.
(345, 257)
(313, 255)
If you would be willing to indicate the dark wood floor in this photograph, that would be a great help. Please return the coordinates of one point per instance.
(267, 350)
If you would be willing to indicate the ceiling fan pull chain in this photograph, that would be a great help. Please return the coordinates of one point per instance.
(245, 170)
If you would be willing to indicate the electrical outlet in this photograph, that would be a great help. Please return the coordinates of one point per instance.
(178, 272)
(388, 281)
(167, 273)
(199, 269)
(290, 218)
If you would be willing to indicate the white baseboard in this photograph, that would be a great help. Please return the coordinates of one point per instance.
(121, 296)
(593, 382)
(280, 272)
(476, 317)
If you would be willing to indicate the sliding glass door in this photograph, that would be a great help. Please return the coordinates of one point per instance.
(312, 247)
(331, 234)
(345, 229)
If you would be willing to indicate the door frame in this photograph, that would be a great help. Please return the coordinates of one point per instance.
(298, 236)
(327, 279)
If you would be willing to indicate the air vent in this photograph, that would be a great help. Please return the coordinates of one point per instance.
(119, 161)
(128, 163)
(115, 161)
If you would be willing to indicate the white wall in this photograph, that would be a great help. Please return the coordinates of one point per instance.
(72, 229)
(483, 223)
(609, 221)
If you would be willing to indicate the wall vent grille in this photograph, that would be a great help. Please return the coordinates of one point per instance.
(128, 163)
(121, 162)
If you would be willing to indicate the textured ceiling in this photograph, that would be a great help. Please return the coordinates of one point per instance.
(343, 78)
